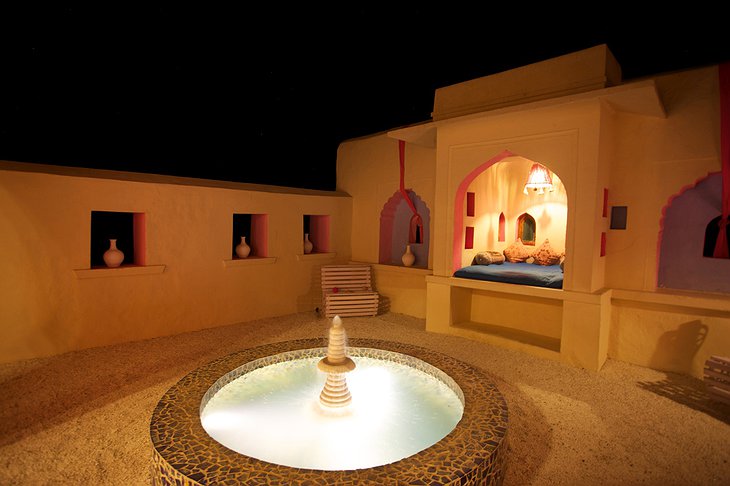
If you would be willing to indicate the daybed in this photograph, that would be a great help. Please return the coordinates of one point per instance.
(541, 267)
(521, 273)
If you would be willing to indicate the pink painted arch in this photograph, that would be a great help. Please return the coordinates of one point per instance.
(459, 205)
(458, 241)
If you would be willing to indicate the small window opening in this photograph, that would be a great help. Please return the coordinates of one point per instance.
(711, 232)
(526, 229)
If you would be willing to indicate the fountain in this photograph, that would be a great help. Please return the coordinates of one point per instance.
(335, 393)
(260, 421)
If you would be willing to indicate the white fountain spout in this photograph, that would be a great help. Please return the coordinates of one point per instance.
(336, 364)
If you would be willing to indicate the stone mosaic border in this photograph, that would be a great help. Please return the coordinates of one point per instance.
(474, 453)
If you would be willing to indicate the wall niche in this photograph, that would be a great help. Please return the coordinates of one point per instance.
(129, 231)
(400, 227)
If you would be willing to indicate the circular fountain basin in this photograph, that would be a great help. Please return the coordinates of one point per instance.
(474, 452)
(273, 413)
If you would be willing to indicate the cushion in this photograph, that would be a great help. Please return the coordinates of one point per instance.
(546, 254)
(516, 252)
(488, 257)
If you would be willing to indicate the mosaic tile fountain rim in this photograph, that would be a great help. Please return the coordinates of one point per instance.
(473, 453)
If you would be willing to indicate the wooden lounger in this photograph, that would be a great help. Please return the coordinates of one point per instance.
(347, 291)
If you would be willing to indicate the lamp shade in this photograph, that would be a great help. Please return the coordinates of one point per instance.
(539, 178)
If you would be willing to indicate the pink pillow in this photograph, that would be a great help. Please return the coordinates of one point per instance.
(516, 252)
(546, 254)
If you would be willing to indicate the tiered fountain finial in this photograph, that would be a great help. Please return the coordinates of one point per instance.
(335, 393)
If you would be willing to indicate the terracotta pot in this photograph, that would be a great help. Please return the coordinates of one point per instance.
(307, 244)
(242, 249)
(408, 257)
(113, 257)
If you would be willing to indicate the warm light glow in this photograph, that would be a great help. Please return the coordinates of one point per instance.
(539, 179)
(273, 414)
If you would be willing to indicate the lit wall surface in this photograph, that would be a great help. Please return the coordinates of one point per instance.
(499, 190)
(642, 141)
(52, 302)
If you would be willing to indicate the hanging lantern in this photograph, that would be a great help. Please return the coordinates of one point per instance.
(539, 179)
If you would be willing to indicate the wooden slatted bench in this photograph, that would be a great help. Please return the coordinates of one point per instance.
(347, 291)
(717, 378)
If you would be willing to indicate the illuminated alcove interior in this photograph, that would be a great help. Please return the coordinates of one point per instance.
(503, 211)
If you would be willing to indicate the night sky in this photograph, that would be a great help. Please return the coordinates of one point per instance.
(266, 94)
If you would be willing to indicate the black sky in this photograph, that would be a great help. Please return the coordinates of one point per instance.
(265, 94)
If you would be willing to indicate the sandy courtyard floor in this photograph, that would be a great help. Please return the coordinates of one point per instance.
(83, 417)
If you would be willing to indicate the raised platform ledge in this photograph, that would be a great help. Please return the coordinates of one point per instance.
(676, 298)
(503, 288)
(124, 271)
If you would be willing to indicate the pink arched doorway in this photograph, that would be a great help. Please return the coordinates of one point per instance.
(460, 198)
(681, 256)
(459, 206)
(399, 227)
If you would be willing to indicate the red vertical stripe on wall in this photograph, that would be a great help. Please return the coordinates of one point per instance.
(721, 245)
(319, 232)
(603, 244)
(139, 232)
(469, 238)
(605, 203)
(260, 235)
(470, 204)
(501, 226)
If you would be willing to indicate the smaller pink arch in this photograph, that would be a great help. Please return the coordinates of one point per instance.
(418, 227)
(670, 200)
(502, 224)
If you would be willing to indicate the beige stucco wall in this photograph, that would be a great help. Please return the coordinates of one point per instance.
(45, 225)
(655, 159)
(589, 142)
(368, 169)
(620, 143)
(563, 138)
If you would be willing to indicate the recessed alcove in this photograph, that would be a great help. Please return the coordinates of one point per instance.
(526, 229)
(685, 228)
(711, 233)
(524, 317)
(399, 227)
(129, 231)
(505, 211)
(317, 227)
(255, 227)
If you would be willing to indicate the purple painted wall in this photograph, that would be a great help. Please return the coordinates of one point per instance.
(681, 264)
(395, 223)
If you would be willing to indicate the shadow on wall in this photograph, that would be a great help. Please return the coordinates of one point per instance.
(676, 350)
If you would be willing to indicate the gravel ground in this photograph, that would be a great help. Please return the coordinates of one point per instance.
(83, 417)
